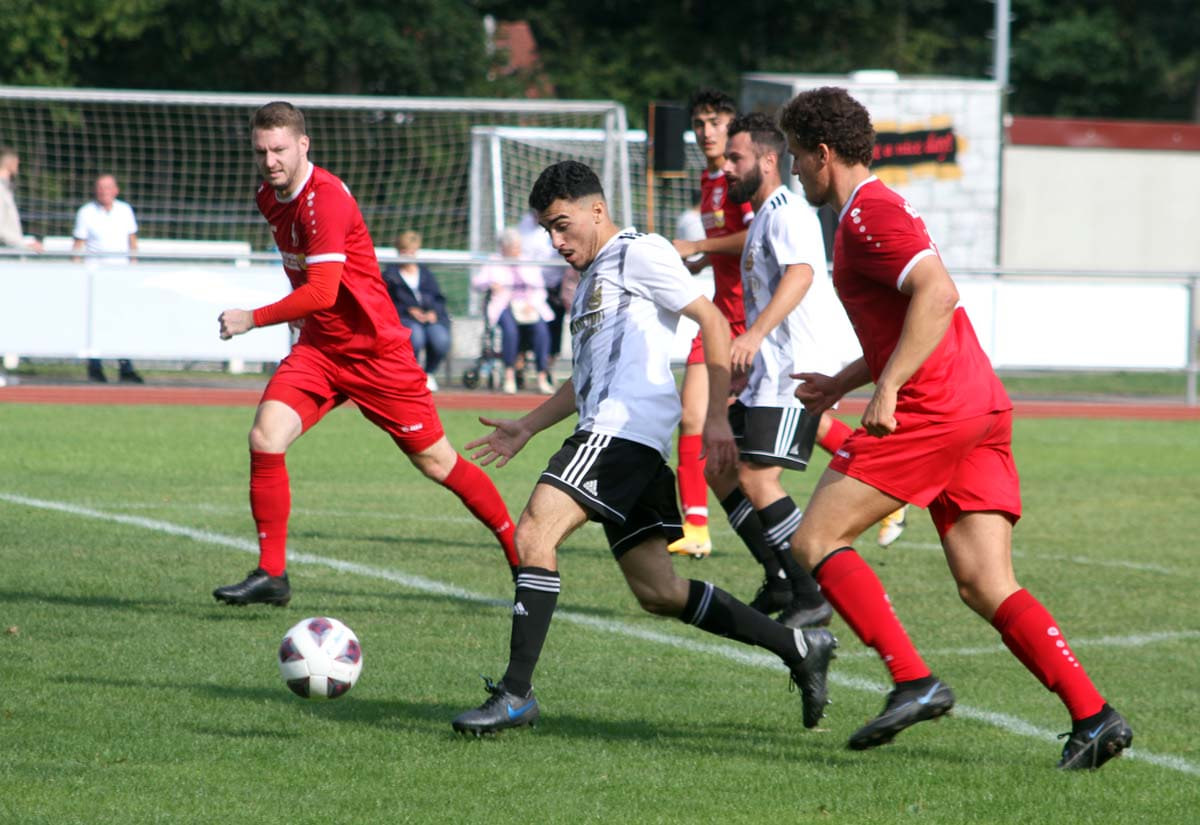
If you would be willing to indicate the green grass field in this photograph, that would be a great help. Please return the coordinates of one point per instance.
(128, 695)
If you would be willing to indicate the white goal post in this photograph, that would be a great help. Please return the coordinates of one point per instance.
(506, 160)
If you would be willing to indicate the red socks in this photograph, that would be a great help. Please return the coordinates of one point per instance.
(854, 590)
(693, 491)
(270, 504)
(837, 435)
(481, 497)
(1031, 634)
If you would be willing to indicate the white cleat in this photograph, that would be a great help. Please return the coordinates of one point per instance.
(892, 526)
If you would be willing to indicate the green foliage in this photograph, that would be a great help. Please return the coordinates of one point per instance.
(1124, 59)
(1079, 58)
(412, 47)
(43, 43)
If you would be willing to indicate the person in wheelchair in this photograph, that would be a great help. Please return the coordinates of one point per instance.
(517, 304)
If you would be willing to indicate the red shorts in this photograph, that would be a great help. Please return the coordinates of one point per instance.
(951, 467)
(696, 355)
(389, 390)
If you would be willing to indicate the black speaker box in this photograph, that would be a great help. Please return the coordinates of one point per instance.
(670, 123)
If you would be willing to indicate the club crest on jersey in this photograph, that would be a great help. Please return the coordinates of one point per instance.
(748, 261)
(718, 193)
(595, 298)
(719, 218)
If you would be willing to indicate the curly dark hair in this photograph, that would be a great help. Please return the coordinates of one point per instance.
(567, 179)
(763, 132)
(714, 99)
(829, 115)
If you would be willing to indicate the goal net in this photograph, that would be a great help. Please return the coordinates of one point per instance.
(183, 160)
(506, 161)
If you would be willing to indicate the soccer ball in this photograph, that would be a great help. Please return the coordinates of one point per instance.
(320, 658)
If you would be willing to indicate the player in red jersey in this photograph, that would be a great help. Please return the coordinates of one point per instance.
(724, 229)
(937, 433)
(786, 586)
(351, 346)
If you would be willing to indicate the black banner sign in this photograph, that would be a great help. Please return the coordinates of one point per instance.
(916, 147)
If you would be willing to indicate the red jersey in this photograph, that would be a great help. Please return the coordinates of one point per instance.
(722, 217)
(321, 222)
(879, 239)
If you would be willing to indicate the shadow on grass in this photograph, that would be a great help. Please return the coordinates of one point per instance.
(760, 738)
(91, 601)
(764, 740)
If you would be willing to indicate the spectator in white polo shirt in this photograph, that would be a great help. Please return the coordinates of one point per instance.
(106, 230)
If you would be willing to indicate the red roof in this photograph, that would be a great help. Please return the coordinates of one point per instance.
(1103, 134)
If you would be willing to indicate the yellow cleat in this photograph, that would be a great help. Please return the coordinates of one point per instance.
(695, 542)
(892, 526)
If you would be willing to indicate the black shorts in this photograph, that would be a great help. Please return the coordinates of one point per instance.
(778, 436)
(624, 485)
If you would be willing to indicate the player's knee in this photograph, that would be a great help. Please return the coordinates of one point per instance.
(532, 547)
(661, 598)
(266, 439)
(808, 548)
(526, 534)
(659, 602)
(436, 461)
(723, 482)
(974, 595)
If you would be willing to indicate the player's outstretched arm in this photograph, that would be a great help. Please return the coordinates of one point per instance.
(511, 434)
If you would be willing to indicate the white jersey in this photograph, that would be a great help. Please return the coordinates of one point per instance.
(623, 323)
(786, 231)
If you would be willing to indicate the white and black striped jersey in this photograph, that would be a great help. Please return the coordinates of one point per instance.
(786, 231)
(623, 323)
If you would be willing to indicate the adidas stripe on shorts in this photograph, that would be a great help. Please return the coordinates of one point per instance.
(624, 485)
(778, 436)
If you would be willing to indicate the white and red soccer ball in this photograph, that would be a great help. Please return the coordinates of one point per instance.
(320, 658)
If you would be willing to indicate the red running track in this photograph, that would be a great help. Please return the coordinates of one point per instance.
(480, 400)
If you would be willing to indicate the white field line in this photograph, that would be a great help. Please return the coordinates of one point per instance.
(719, 530)
(743, 655)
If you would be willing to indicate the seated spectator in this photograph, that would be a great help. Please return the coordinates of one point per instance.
(421, 305)
(517, 304)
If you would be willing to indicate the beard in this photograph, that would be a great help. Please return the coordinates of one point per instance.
(744, 189)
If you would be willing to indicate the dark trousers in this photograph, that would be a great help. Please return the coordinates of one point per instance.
(513, 335)
(434, 339)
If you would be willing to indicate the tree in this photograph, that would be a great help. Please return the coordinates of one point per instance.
(390, 47)
(41, 43)
(1069, 57)
(1123, 59)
